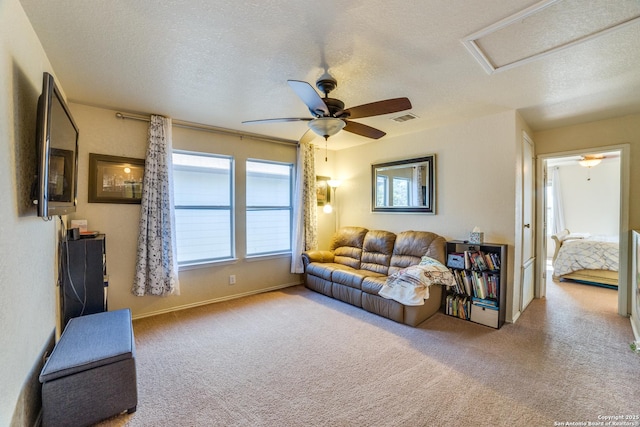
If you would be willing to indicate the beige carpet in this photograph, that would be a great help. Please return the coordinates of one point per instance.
(297, 358)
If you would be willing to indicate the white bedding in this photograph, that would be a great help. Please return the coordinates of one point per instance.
(586, 254)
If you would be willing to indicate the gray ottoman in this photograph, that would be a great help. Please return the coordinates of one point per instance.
(91, 373)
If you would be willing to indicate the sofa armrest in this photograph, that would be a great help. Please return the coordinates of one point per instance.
(316, 256)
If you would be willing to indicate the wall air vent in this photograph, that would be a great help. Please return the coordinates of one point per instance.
(404, 117)
(547, 27)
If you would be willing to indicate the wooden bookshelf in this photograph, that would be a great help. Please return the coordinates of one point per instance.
(480, 293)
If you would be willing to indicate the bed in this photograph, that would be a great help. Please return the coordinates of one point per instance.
(586, 259)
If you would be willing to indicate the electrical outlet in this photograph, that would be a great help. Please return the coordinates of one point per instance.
(232, 279)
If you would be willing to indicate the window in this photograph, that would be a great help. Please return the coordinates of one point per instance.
(400, 191)
(269, 208)
(203, 195)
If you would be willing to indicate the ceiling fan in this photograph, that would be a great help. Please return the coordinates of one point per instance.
(329, 114)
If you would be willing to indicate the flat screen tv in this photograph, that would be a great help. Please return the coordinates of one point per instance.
(57, 153)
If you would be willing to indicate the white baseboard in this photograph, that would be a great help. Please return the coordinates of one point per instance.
(636, 328)
(213, 300)
(514, 317)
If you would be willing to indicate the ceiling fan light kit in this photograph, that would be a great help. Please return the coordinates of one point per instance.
(326, 126)
(329, 114)
(589, 162)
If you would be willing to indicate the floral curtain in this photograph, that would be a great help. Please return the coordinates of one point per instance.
(157, 265)
(305, 226)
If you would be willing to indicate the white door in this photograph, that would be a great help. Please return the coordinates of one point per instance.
(528, 224)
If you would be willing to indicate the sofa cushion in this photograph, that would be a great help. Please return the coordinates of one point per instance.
(347, 246)
(350, 278)
(324, 270)
(372, 285)
(377, 249)
(353, 278)
(411, 246)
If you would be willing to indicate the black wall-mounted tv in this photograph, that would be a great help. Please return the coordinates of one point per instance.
(56, 188)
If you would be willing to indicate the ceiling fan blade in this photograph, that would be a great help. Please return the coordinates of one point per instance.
(284, 119)
(377, 108)
(310, 97)
(363, 130)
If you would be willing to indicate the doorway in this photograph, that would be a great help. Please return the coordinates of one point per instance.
(591, 204)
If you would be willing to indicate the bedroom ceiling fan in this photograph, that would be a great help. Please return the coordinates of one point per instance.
(329, 115)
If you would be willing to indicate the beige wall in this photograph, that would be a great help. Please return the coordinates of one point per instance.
(475, 182)
(590, 200)
(101, 132)
(27, 243)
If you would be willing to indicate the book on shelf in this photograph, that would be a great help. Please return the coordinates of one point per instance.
(485, 284)
(487, 303)
(463, 282)
(481, 261)
(458, 306)
(480, 284)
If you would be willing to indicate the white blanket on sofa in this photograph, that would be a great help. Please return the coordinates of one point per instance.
(410, 286)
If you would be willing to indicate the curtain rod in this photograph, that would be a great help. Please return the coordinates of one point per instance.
(208, 128)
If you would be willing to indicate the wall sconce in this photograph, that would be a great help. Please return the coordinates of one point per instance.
(333, 184)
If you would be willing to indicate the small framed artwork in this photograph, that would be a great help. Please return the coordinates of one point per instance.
(323, 192)
(115, 179)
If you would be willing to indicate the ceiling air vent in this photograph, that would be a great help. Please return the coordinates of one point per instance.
(404, 117)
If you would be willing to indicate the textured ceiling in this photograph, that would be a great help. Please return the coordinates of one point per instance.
(222, 62)
(549, 26)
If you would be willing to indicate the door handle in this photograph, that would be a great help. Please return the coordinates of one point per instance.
(527, 226)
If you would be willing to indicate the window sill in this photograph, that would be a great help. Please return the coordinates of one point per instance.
(253, 258)
(207, 264)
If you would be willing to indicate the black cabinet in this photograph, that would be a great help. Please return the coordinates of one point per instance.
(480, 294)
(83, 269)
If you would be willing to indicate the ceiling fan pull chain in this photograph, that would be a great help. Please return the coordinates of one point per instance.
(325, 148)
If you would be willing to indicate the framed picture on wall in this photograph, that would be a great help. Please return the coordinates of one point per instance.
(115, 179)
(323, 192)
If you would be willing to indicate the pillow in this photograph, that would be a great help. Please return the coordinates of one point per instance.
(436, 272)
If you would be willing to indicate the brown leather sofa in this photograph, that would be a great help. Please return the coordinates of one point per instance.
(358, 263)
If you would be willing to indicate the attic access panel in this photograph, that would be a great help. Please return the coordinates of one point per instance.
(548, 27)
